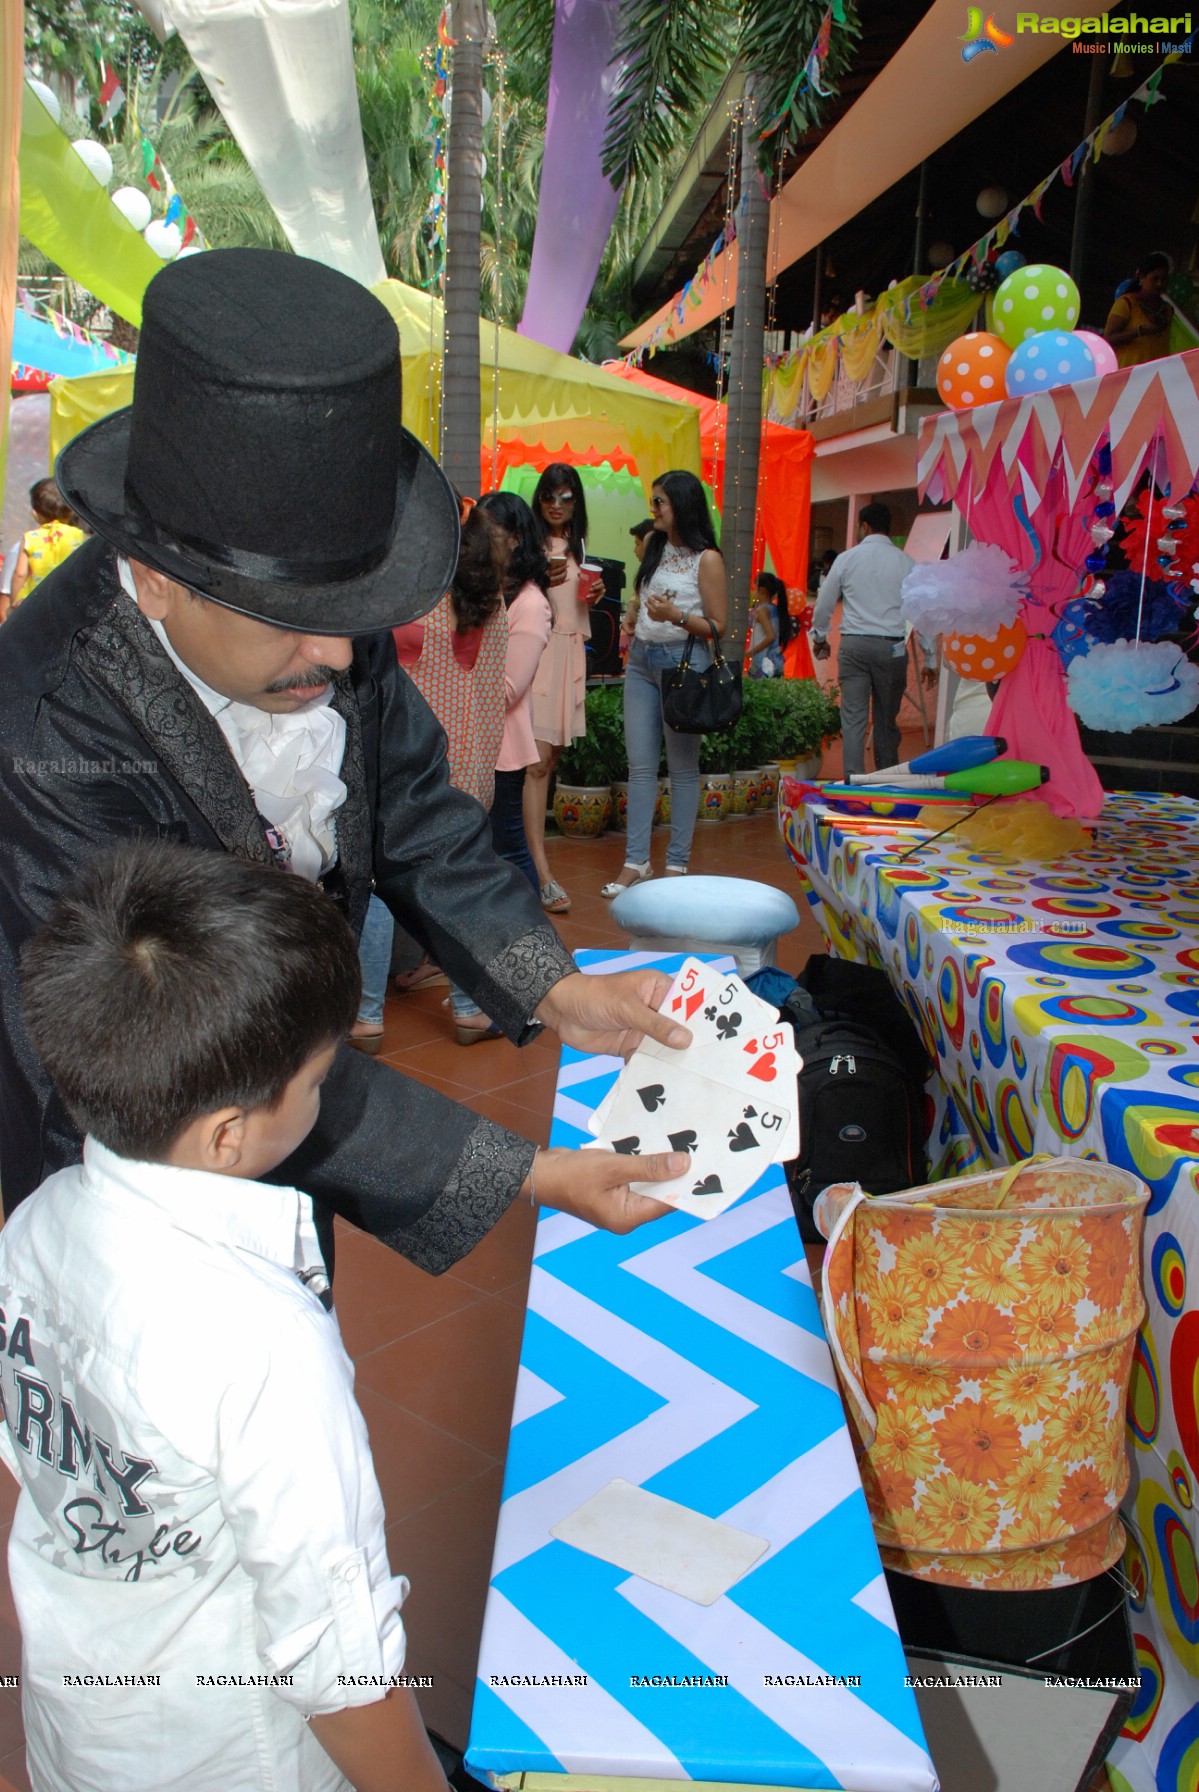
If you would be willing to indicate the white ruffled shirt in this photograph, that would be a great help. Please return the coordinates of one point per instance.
(291, 762)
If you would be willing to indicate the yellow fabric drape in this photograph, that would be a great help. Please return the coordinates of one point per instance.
(78, 403)
(12, 37)
(68, 214)
(822, 364)
(930, 332)
(860, 341)
(783, 385)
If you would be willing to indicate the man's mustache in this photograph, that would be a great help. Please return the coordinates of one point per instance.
(311, 680)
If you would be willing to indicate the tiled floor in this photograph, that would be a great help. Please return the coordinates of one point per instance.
(436, 1358)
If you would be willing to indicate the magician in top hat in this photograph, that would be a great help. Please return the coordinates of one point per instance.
(261, 519)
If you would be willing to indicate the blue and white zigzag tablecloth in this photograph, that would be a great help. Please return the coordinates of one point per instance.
(688, 1359)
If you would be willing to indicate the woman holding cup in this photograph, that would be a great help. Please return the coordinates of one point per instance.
(683, 594)
(560, 687)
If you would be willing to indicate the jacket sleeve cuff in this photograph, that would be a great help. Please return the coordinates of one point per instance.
(483, 1184)
(521, 976)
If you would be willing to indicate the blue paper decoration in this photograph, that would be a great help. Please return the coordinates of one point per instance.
(1120, 686)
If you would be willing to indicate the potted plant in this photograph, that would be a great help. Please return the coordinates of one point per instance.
(715, 777)
(588, 766)
(803, 717)
(748, 740)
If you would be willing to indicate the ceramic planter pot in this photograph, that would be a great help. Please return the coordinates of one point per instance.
(768, 790)
(808, 769)
(582, 810)
(620, 806)
(715, 795)
(662, 806)
(745, 794)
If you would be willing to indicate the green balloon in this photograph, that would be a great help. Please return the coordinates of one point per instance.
(1033, 299)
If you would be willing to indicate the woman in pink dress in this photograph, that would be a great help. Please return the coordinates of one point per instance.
(560, 686)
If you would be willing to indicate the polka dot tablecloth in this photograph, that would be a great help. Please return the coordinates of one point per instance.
(1061, 1004)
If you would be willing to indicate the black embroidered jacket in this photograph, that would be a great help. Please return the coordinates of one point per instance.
(101, 739)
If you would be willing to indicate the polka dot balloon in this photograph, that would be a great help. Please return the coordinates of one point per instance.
(985, 656)
(1052, 358)
(971, 370)
(1035, 299)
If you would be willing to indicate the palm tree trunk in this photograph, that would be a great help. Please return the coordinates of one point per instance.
(460, 429)
(743, 427)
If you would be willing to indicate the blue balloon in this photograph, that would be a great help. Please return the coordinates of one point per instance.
(1008, 262)
(1051, 358)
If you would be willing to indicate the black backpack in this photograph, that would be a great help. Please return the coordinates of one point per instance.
(862, 1107)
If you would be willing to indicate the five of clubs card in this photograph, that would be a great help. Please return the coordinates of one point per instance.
(729, 1100)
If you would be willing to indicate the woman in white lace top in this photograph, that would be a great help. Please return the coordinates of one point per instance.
(683, 592)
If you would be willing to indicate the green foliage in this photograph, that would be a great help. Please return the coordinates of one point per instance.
(673, 51)
(799, 715)
(752, 735)
(600, 756)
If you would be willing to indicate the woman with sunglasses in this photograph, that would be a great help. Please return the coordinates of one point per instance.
(560, 686)
(684, 593)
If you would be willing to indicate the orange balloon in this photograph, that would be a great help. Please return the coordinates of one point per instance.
(971, 370)
(985, 657)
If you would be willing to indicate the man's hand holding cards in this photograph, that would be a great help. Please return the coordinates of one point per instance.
(729, 1100)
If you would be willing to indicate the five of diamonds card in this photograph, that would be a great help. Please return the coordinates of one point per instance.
(729, 1100)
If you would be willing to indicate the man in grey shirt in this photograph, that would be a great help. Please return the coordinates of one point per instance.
(873, 661)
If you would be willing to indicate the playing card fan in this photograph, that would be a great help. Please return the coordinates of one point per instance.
(729, 1100)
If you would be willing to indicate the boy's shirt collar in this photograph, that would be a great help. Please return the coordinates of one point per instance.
(268, 1220)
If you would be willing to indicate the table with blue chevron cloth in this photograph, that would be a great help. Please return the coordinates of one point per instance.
(688, 1359)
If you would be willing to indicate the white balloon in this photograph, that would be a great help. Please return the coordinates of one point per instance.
(95, 158)
(940, 255)
(486, 108)
(165, 239)
(47, 96)
(991, 202)
(192, 249)
(132, 203)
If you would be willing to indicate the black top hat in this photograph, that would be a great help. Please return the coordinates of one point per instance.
(262, 461)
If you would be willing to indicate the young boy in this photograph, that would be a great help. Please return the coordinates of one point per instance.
(197, 1557)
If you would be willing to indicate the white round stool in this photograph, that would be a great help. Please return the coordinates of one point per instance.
(707, 914)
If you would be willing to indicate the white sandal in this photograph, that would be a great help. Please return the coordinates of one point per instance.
(615, 887)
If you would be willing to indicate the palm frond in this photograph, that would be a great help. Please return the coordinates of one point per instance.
(777, 36)
(669, 53)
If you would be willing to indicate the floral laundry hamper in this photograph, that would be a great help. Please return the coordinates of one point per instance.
(983, 1331)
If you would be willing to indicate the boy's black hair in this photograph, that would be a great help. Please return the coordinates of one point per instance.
(171, 982)
(643, 528)
(48, 504)
(876, 517)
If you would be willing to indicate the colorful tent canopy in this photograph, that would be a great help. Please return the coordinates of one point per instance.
(540, 398)
(545, 401)
(784, 478)
(36, 343)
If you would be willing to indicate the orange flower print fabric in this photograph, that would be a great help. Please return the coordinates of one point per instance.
(984, 1332)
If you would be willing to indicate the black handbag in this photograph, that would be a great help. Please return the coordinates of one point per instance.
(707, 702)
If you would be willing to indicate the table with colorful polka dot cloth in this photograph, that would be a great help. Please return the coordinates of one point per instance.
(1061, 1004)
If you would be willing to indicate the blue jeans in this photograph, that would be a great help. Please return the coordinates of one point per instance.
(508, 838)
(649, 663)
(374, 959)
